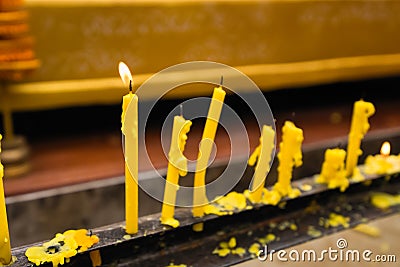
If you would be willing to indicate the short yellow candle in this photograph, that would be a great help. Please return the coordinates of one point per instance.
(333, 172)
(359, 127)
(177, 165)
(289, 156)
(263, 153)
(383, 163)
(210, 129)
(5, 246)
(130, 131)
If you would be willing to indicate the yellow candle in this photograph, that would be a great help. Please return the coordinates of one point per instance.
(130, 131)
(5, 246)
(210, 129)
(289, 156)
(359, 126)
(263, 153)
(383, 163)
(177, 165)
(333, 172)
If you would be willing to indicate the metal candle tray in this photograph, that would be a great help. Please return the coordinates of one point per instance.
(157, 245)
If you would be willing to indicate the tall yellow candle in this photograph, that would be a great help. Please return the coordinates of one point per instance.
(177, 165)
(130, 131)
(359, 127)
(289, 156)
(210, 129)
(263, 152)
(5, 246)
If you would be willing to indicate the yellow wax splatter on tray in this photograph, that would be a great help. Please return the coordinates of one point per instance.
(267, 239)
(227, 204)
(170, 221)
(368, 230)
(306, 187)
(176, 265)
(313, 232)
(62, 247)
(383, 200)
(335, 220)
(82, 238)
(232, 201)
(357, 175)
(254, 249)
(226, 248)
(211, 209)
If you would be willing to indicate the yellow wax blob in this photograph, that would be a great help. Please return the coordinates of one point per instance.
(271, 197)
(254, 249)
(384, 200)
(333, 172)
(368, 230)
(176, 265)
(81, 237)
(211, 209)
(232, 201)
(226, 248)
(335, 220)
(311, 231)
(170, 221)
(357, 175)
(227, 204)
(62, 247)
(267, 239)
(306, 187)
(198, 227)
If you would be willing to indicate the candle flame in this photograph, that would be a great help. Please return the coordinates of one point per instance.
(125, 73)
(385, 149)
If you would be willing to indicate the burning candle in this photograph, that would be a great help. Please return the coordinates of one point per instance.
(359, 126)
(289, 156)
(5, 246)
(177, 165)
(210, 129)
(333, 172)
(263, 153)
(383, 163)
(130, 131)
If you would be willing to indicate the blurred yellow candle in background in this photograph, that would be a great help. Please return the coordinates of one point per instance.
(264, 153)
(130, 131)
(359, 127)
(210, 129)
(5, 246)
(177, 166)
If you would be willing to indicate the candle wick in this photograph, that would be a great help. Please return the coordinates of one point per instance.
(130, 86)
(181, 109)
(222, 80)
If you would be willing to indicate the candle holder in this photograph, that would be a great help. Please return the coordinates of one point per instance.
(291, 222)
